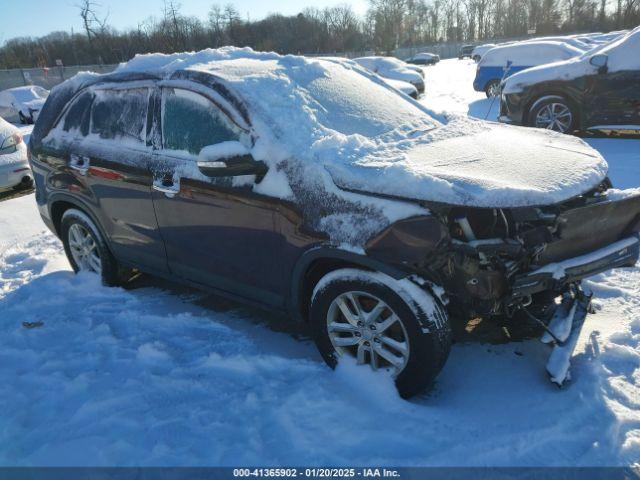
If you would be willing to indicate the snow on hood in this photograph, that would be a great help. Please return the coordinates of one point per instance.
(325, 127)
(623, 54)
(480, 164)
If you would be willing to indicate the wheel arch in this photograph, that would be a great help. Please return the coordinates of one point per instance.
(319, 261)
(60, 203)
(549, 94)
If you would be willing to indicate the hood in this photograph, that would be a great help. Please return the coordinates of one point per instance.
(478, 164)
(564, 70)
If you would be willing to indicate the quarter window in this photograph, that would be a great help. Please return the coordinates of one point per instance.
(118, 114)
(77, 116)
(190, 122)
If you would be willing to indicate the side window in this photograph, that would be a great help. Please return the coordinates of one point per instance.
(118, 114)
(78, 114)
(190, 122)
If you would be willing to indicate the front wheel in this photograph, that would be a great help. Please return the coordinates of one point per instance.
(553, 113)
(392, 326)
(86, 249)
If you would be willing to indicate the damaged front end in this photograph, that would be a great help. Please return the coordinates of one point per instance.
(524, 263)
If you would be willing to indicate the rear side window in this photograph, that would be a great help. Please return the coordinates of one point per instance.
(78, 114)
(120, 114)
(190, 122)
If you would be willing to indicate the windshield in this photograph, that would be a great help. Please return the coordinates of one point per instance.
(349, 103)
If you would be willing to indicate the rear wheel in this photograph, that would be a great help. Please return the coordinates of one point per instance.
(492, 89)
(382, 324)
(553, 113)
(86, 249)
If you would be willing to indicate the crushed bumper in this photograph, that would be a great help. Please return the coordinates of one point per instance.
(623, 253)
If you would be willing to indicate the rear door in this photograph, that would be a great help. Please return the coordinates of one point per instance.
(113, 160)
(217, 231)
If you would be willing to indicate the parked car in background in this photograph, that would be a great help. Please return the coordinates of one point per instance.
(302, 185)
(480, 50)
(599, 90)
(574, 42)
(14, 164)
(404, 87)
(424, 58)
(601, 38)
(502, 62)
(22, 104)
(394, 69)
(466, 51)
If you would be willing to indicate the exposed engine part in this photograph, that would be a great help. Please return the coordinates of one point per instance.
(466, 228)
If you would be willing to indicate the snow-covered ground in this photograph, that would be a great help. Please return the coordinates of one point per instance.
(168, 376)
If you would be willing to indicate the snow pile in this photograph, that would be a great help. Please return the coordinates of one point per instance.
(528, 54)
(622, 54)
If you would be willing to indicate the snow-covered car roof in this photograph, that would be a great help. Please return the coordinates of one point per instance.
(529, 53)
(481, 49)
(373, 62)
(574, 42)
(622, 54)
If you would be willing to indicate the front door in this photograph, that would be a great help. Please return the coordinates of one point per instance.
(217, 231)
(613, 99)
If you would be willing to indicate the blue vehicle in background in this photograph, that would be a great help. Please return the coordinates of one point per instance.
(503, 61)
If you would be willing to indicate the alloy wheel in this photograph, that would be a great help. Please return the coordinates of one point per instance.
(554, 116)
(363, 326)
(84, 249)
(494, 89)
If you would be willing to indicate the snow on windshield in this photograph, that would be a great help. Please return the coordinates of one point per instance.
(343, 105)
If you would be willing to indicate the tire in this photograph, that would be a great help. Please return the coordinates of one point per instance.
(75, 222)
(560, 106)
(492, 89)
(424, 335)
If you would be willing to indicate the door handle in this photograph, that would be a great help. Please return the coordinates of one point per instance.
(79, 163)
(167, 186)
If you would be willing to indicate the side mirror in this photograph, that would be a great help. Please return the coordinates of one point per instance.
(229, 159)
(599, 60)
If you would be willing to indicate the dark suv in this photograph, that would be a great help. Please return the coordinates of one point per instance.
(309, 186)
(600, 90)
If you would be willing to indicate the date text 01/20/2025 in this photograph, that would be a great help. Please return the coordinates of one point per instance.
(316, 472)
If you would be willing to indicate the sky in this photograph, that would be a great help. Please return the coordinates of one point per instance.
(39, 17)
